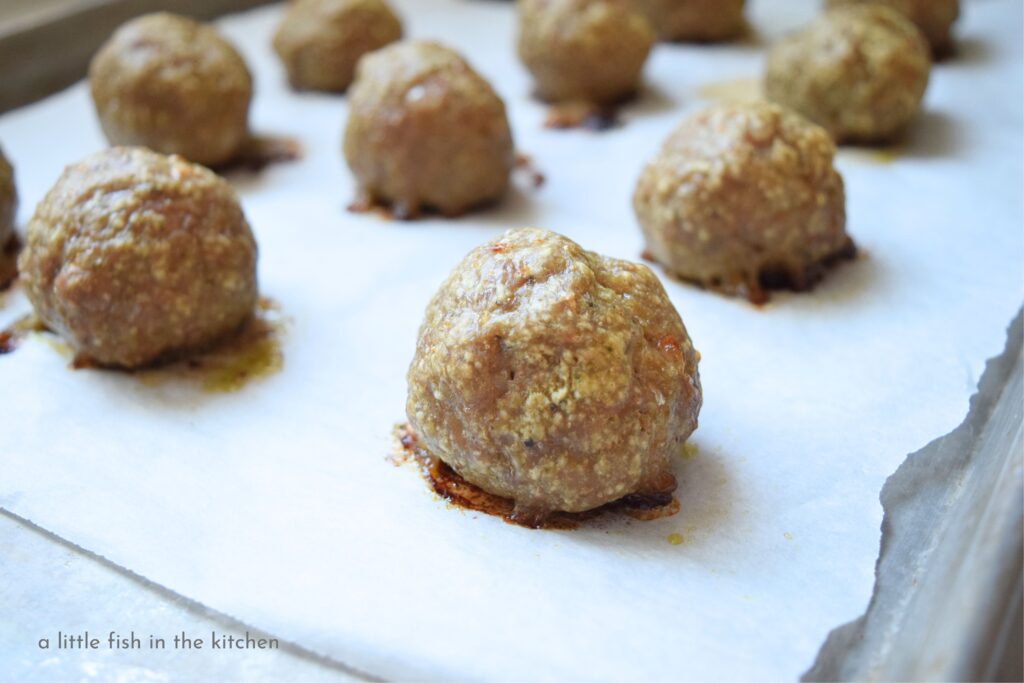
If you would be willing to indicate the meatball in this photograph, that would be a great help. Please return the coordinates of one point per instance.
(693, 20)
(133, 257)
(743, 198)
(935, 18)
(320, 41)
(426, 131)
(8, 207)
(583, 50)
(859, 71)
(173, 85)
(554, 376)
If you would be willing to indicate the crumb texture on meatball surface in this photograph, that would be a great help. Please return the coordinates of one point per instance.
(744, 193)
(583, 50)
(133, 257)
(425, 131)
(321, 41)
(554, 376)
(860, 71)
(173, 85)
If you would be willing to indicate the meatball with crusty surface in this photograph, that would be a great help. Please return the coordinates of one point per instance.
(320, 41)
(589, 51)
(859, 71)
(554, 376)
(134, 257)
(744, 198)
(935, 18)
(174, 85)
(426, 132)
(693, 20)
(8, 208)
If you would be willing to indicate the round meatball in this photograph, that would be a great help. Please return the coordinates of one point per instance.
(935, 18)
(583, 50)
(744, 198)
(693, 20)
(320, 41)
(859, 71)
(173, 85)
(426, 131)
(554, 376)
(8, 208)
(133, 257)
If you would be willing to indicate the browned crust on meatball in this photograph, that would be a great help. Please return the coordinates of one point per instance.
(8, 209)
(554, 376)
(744, 197)
(696, 21)
(174, 85)
(320, 41)
(935, 18)
(426, 132)
(583, 50)
(858, 71)
(134, 257)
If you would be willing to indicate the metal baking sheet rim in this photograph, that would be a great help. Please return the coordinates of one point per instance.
(886, 642)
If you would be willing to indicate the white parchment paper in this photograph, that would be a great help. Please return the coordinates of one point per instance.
(276, 505)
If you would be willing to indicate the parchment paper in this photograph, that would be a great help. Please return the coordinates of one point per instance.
(276, 505)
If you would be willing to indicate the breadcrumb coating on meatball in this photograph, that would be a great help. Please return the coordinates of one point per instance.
(743, 197)
(554, 376)
(173, 85)
(859, 71)
(133, 257)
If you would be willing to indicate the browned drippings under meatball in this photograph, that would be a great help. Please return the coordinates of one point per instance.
(554, 376)
(426, 132)
(133, 257)
(583, 50)
(8, 208)
(693, 20)
(320, 41)
(859, 71)
(176, 86)
(743, 198)
(935, 18)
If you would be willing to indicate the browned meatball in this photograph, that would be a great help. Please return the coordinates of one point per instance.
(693, 20)
(426, 131)
(8, 207)
(743, 198)
(935, 18)
(133, 256)
(859, 71)
(583, 50)
(320, 41)
(554, 376)
(173, 85)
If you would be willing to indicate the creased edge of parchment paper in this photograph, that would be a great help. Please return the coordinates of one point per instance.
(193, 606)
(944, 572)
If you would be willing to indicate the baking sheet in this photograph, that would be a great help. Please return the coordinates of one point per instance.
(276, 505)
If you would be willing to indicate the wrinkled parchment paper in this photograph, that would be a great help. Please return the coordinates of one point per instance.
(276, 505)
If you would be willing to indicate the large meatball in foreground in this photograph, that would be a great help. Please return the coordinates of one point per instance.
(935, 18)
(589, 51)
(743, 198)
(320, 41)
(859, 71)
(554, 376)
(174, 85)
(426, 131)
(693, 20)
(133, 257)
